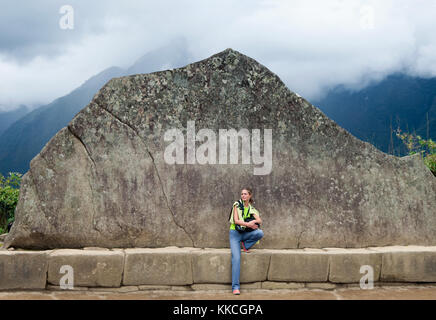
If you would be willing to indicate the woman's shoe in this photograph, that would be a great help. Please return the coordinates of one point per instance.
(236, 292)
(243, 247)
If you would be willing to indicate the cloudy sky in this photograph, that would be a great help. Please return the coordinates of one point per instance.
(312, 45)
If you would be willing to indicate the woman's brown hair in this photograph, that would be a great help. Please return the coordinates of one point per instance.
(250, 192)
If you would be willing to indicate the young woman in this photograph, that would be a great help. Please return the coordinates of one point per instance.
(246, 239)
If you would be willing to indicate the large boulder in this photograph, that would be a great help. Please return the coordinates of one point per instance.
(127, 171)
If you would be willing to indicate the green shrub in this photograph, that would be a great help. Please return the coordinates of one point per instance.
(430, 162)
(416, 144)
(9, 194)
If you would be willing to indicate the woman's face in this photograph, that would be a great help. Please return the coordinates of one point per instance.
(245, 196)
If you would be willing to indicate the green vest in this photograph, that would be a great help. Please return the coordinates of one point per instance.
(241, 215)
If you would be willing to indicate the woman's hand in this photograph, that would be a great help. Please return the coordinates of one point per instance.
(252, 224)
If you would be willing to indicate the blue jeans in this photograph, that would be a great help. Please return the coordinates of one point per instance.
(249, 239)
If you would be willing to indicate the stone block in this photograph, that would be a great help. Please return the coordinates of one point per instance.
(90, 268)
(321, 285)
(160, 266)
(181, 288)
(298, 266)
(408, 264)
(123, 289)
(153, 287)
(212, 266)
(58, 288)
(211, 287)
(345, 264)
(251, 286)
(272, 285)
(23, 270)
(215, 266)
(108, 172)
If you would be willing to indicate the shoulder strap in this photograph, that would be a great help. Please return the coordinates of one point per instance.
(240, 206)
(236, 203)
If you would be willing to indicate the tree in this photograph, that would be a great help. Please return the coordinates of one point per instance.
(416, 144)
(9, 194)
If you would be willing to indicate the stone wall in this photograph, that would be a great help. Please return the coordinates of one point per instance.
(176, 268)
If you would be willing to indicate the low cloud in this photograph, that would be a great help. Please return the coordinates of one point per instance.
(311, 45)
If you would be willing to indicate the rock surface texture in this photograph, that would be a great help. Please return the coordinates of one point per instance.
(104, 181)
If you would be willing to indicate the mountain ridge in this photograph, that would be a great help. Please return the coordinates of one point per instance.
(24, 138)
(398, 101)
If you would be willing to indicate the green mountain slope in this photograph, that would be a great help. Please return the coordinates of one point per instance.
(26, 137)
(9, 117)
(399, 101)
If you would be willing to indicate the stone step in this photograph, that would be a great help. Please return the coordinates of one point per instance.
(196, 268)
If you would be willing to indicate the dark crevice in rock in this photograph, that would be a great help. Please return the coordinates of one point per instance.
(39, 203)
(156, 169)
(269, 265)
(81, 141)
(299, 239)
(328, 269)
(192, 268)
(166, 200)
(93, 165)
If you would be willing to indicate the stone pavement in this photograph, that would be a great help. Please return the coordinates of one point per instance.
(412, 292)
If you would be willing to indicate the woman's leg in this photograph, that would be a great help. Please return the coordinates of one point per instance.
(235, 247)
(250, 238)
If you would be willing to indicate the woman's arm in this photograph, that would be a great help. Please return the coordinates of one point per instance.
(258, 220)
(251, 224)
(236, 218)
